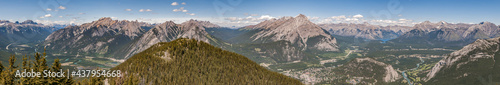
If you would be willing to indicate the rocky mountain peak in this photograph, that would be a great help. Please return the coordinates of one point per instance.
(485, 22)
(301, 16)
(28, 22)
(105, 19)
(205, 24)
(297, 30)
(443, 22)
(426, 22)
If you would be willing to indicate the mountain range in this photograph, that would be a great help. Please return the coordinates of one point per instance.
(103, 36)
(169, 31)
(442, 32)
(366, 30)
(286, 42)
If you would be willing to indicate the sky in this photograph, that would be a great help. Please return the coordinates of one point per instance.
(237, 13)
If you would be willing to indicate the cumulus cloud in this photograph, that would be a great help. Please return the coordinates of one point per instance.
(358, 16)
(312, 18)
(180, 9)
(49, 22)
(128, 9)
(183, 3)
(48, 9)
(244, 21)
(45, 16)
(60, 16)
(174, 4)
(249, 19)
(145, 10)
(358, 19)
(192, 14)
(62, 7)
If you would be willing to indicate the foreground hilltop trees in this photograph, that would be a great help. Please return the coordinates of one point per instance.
(39, 64)
(189, 61)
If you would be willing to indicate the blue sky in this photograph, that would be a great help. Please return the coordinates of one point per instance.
(247, 12)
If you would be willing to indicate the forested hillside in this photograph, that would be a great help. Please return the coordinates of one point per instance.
(189, 61)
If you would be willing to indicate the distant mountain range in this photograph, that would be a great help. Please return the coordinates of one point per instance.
(24, 32)
(283, 41)
(442, 32)
(365, 30)
(169, 31)
(103, 36)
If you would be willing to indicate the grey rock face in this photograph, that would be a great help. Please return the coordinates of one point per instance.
(102, 36)
(297, 30)
(169, 31)
(366, 31)
(473, 64)
(27, 31)
(443, 31)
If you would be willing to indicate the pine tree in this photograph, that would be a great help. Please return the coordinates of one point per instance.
(9, 75)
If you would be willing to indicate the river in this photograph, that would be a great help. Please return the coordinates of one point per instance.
(404, 72)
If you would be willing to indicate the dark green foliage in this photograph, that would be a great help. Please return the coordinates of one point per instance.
(188, 61)
(38, 65)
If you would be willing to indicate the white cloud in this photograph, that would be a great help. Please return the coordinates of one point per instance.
(341, 17)
(128, 9)
(254, 14)
(192, 14)
(48, 9)
(48, 15)
(247, 20)
(62, 7)
(114, 17)
(45, 16)
(176, 10)
(312, 18)
(48, 22)
(180, 9)
(145, 10)
(174, 4)
(60, 16)
(358, 16)
(183, 3)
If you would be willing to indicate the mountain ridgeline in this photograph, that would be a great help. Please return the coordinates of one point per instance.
(283, 40)
(169, 31)
(104, 37)
(189, 61)
(24, 32)
(473, 64)
(366, 30)
(454, 34)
